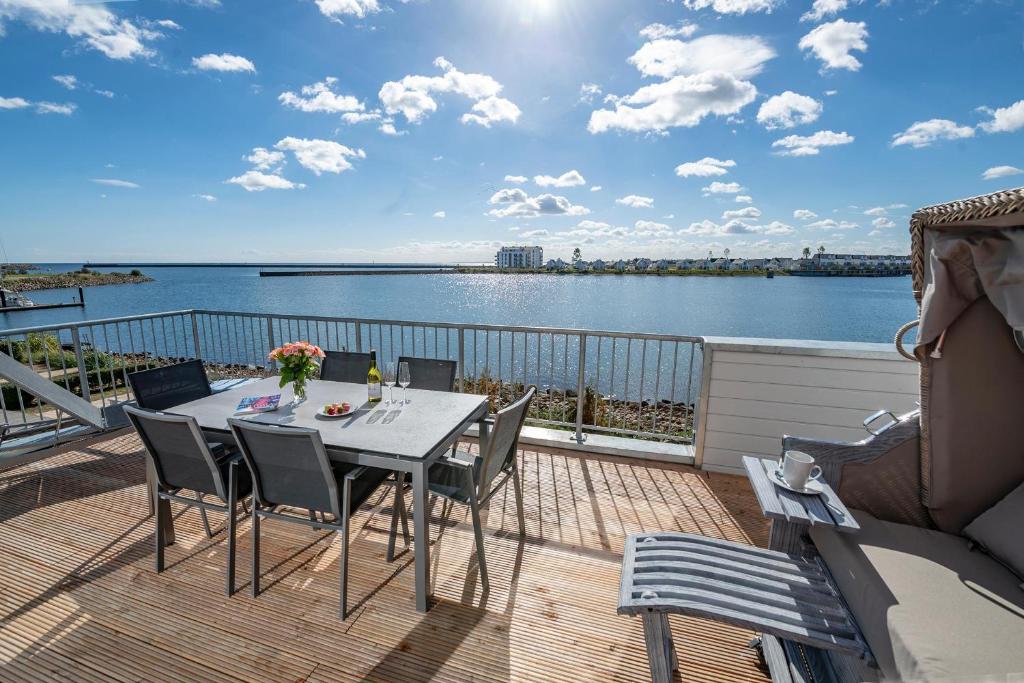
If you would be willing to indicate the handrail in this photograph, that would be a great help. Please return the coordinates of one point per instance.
(90, 323)
(26, 379)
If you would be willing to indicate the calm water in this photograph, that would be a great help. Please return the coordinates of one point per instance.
(846, 309)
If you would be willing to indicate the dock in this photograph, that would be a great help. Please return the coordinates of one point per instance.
(12, 302)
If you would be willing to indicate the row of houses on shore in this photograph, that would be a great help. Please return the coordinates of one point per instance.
(817, 262)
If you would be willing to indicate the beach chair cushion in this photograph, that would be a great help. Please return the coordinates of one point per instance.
(1000, 531)
(973, 418)
(930, 608)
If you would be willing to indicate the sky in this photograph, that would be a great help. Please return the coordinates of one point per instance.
(440, 130)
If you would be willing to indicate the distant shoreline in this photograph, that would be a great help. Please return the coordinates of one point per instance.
(507, 271)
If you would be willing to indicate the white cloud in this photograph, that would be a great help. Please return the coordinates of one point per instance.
(1001, 172)
(596, 188)
(440, 214)
(94, 25)
(320, 97)
(592, 225)
(832, 43)
(722, 188)
(533, 233)
(636, 201)
(830, 224)
(263, 159)
(571, 178)
(355, 8)
(743, 199)
(66, 109)
(734, 6)
(825, 8)
(746, 212)
(737, 227)
(168, 24)
(14, 103)
(877, 211)
(105, 93)
(492, 110)
(651, 229)
(320, 156)
(515, 202)
(831, 93)
(589, 92)
(114, 182)
(883, 222)
(788, 110)
(740, 56)
(67, 80)
(412, 96)
(680, 101)
(656, 31)
(804, 214)
(517, 179)
(810, 145)
(223, 62)
(354, 117)
(1005, 119)
(255, 181)
(388, 128)
(205, 197)
(924, 133)
(706, 167)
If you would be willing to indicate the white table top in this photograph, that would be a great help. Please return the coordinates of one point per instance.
(412, 430)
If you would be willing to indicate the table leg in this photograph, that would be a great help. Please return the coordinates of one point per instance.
(661, 652)
(786, 537)
(421, 535)
(483, 434)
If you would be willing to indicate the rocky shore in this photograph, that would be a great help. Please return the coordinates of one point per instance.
(37, 281)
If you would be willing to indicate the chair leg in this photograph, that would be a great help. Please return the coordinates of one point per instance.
(159, 535)
(312, 516)
(255, 551)
(478, 532)
(518, 486)
(343, 569)
(202, 513)
(232, 512)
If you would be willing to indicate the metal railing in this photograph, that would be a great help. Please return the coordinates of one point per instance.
(638, 385)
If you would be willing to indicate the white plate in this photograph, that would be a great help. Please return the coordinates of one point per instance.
(351, 409)
(813, 487)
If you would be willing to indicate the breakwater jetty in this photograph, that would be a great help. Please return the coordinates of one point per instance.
(393, 271)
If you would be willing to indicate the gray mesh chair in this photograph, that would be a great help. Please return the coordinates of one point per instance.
(431, 374)
(345, 366)
(290, 468)
(182, 459)
(472, 480)
(163, 388)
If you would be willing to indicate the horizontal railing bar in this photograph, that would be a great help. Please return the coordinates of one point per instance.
(90, 323)
(470, 326)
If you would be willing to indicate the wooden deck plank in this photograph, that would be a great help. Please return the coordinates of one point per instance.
(82, 590)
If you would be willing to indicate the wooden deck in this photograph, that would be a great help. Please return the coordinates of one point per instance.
(80, 601)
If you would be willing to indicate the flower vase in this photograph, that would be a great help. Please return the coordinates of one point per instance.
(299, 390)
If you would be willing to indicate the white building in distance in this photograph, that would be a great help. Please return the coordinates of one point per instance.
(519, 257)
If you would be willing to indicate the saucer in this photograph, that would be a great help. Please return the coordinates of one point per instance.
(813, 486)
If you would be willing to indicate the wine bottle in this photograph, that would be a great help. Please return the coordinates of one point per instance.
(373, 381)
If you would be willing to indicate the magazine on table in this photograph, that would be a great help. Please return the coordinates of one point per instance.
(257, 404)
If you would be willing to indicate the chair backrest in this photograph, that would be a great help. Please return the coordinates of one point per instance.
(180, 455)
(289, 466)
(431, 374)
(345, 366)
(163, 388)
(503, 442)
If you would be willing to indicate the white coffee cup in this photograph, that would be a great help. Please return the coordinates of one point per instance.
(798, 468)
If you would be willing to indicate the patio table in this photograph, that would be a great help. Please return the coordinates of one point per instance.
(407, 437)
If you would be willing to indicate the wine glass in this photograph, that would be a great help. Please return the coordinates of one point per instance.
(389, 381)
(404, 379)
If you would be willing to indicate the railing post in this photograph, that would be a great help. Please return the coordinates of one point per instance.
(462, 360)
(195, 334)
(270, 341)
(359, 337)
(581, 390)
(83, 377)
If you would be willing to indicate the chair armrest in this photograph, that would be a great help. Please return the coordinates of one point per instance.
(356, 473)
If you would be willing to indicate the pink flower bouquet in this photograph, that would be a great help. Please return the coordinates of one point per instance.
(299, 360)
